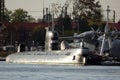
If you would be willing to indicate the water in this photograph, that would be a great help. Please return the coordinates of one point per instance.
(10, 71)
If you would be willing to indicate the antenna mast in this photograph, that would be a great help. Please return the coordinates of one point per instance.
(43, 10)
(106, 30)
(108, 10)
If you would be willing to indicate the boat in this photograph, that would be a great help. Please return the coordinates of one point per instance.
(52, 54)
(69, 56)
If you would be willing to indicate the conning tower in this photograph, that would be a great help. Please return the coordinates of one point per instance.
(51, 40)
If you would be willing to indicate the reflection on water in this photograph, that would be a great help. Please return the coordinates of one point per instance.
(10, 71)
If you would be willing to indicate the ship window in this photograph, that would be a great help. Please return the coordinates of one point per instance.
(73, 57)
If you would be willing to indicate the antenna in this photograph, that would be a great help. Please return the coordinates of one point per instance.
(106, 29)
(43, 10)
(53, 17)
(114, 16)
(108, 10)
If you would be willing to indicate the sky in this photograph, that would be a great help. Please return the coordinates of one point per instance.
(35, 7)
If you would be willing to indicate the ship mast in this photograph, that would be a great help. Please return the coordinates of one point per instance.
(106, 30)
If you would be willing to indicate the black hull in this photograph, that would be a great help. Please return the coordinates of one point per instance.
(93, 60)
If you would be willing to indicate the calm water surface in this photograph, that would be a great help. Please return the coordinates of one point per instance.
(10, 71)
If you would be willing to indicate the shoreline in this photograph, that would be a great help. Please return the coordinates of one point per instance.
(2, 58)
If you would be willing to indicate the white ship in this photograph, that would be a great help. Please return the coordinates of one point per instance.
(69, 56)
(51, 54)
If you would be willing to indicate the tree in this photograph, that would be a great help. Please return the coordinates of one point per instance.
(7, 15)
(39, 35)
(20, 15)
(63, 24)
(87, 11)
(86, 7)
(11, 35)
(3, 34)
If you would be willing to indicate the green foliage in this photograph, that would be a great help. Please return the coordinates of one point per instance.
(19, 15)
(69, 33)
(83, 24)
(67, 23)
(3, 38)
(7, 15)
(63, 24)
(88, 13)
(86, 7)
(39, 35)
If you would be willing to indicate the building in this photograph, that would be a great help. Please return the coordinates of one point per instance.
(18, 31)
(22, 31)
(115, 25)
